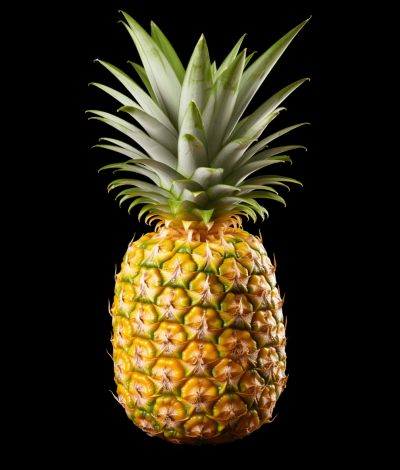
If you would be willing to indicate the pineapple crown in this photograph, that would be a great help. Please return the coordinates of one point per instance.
(197, 149)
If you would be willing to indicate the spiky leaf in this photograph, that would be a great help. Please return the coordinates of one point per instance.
(207, 177)
(156, 130)
(192, 143)
(259, 145)
(163, 80)
(220, 104)
(266, 109)
(198, 80)
(230, 58)
(168, 51)
(153, 148)
(255, 75)
(145, 79)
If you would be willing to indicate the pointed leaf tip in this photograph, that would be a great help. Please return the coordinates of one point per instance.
(206, 215)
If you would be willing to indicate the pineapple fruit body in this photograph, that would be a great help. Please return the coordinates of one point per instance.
(199, 338)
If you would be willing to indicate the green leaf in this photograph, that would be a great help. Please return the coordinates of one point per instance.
(249, 188)
(168, 51)
(140, 192)
(230, 154)
(192, 123)
(128, 153)
(264, 210)
(140, 184)
(144, 209)
(143, 76)
(281, 158)
(267, 195)
(234, 200)
(153, 148)
(191, 153)
(140, 200)
(237, 159)
(280, 184)
(132, 196)
(152, 209)
(163, 80)
(192, 143)
(187, 196)
(199, 198)
(240, 124)
(233, 152)
(248, 58)
(256, 206)
(230, 58)
(255, 75)
(180, 185)
(198, 81)
(259, 145)
(124, 145)
(156, 130)
(236, 207)
(246, 210)
(213, 70)
(270, 179)
(167, 174)
(220, 104)
(206, 214)
(274, 151)
(253, 133)
(220, 190)
(174, 205)
(267, 108)
(148, 105)
(135, 169)
(207, 177)
(239, 175)
(117, 95)
(125, 198)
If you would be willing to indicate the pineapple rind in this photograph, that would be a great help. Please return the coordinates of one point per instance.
(199, 339)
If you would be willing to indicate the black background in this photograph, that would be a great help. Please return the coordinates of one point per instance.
(305, 236)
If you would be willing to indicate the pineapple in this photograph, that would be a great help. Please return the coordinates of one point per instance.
(199, 335)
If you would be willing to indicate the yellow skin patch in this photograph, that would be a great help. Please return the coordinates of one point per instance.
(200, 425)
(198, 315)
(199, 336)
(201, 390)
(200, 349)
(171, 331)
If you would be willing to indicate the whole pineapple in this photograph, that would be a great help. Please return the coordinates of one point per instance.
(199, 335)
